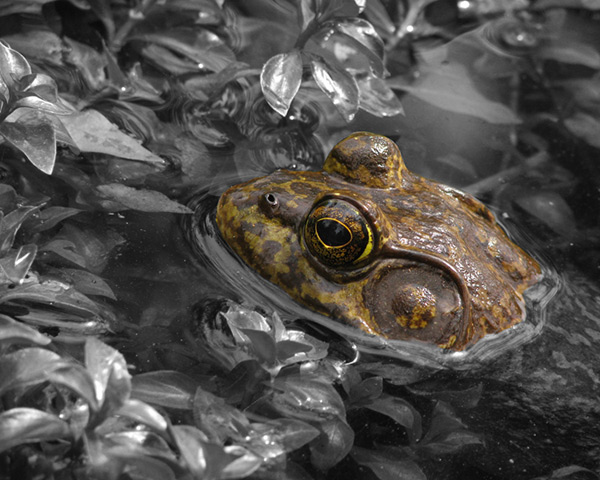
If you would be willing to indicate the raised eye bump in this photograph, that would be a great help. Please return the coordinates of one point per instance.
(337, 234)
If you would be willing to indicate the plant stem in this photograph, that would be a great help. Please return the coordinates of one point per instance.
(135, 16)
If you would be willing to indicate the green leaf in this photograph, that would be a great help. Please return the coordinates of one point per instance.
(141, 200)
(36, 141)
(386, 466)
(280, 80)
(334, 443)
(143, 413)
(28, 425)
(92, 132)
(12, 331)
(165, 388)
(448, 86)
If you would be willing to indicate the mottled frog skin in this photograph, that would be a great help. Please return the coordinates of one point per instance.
(370, 244)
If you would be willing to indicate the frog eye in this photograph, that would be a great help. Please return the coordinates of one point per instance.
(338, 234)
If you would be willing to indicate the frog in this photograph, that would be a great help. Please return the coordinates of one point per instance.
(370, 244)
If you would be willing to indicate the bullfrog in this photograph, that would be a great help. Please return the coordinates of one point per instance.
(370, 244)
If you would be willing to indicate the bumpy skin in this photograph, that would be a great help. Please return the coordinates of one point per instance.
(410, 259)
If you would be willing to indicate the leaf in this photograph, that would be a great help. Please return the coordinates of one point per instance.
(338, 85)
(12, 331)
(385, 467)
(34, 116)
(447, 434)
(281, 435)
(366, 391)
(26, 367)
(566, 472)
(306, 12)
(92, 132)
(361, 34)
(244, 465)
(449, 87)
(218, 420)
(287, 349)
(165, 388)
(588, 4)
(306, 397)
(280, 80)
(13, 66)
(36, 141)
(10, 225)
(379, 17)
(201, 49)
(88, 248)
(586, 127)
(143, 413)
(38, 44)
(334, 443)
(401, 412)
(377, 98)
(141, 200)
(86, 282)
(28, 425)
(109, 372)
(572, 53)
(14, 266)
(77, 379)
(263, 345)
(50, 217)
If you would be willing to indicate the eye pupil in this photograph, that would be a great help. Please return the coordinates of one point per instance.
(333, 233)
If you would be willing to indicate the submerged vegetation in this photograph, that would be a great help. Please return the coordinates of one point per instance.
(113, 113)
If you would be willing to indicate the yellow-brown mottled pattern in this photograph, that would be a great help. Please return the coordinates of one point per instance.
(441, 270)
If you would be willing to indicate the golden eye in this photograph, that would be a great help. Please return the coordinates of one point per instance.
(338, 234)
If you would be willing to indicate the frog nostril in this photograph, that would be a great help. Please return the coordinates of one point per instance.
(269, 203)
(271, 200)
